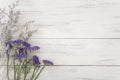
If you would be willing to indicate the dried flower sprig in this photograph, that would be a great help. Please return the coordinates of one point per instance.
(10, 27)
(19, 52)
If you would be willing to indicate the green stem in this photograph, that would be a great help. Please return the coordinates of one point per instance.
(25, 73)
(39, 72)
(18, 72)
(24, 76)
(21, 67)
(14, 70)
(8, 66)
(33, 74)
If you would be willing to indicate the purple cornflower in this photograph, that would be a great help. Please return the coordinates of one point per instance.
(19, 56)
(47, 62)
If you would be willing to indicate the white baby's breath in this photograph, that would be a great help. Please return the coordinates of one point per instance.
(10, 27)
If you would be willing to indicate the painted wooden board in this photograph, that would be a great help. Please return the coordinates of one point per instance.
(72, 43)
(81, 73)
(80, 52)
(82, 37)
(78, 73)
(73, 18)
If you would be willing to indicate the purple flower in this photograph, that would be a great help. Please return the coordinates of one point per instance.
(20, 49)
(35, 47)
(35, 61)
(9, 45)
(6, 52)
(19, 56)
(47, 62)
(32, 48)
(16, 41)
(26, 44)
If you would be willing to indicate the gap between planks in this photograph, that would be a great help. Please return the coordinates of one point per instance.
(76, 65)
(75, 38)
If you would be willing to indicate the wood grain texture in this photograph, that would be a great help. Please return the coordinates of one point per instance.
(79, 51)
(82, 37)
(78, 73)
(73, 18)
(81, 73)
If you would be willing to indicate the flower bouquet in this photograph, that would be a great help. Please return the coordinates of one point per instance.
(19, 54)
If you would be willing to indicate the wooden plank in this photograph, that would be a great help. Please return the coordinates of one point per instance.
(77, 36)
(79, 52)
(73, 18)
(77, 19)
(79, 73)
(92, 52)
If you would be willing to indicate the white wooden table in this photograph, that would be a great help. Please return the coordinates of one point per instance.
(82, 37)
